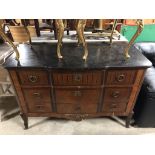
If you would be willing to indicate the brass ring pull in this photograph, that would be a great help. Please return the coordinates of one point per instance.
(77, 77)
(120, 78)
(115, 94)
(32, 78)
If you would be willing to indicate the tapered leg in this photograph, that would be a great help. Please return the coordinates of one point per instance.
(81, 39)
(60, 28)
(25, 119)
(128, 119)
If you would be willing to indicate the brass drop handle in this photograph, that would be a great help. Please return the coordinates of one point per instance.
(120, 78)
(32, 78)
(77, 77)
(115, 94)
(77, 93)
(36, 94)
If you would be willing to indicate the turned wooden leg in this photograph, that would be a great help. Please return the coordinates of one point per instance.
(25, 119)
(128, 119)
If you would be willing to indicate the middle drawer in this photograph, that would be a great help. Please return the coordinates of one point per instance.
(75, 95)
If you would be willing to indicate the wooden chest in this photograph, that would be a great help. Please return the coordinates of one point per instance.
(105, 85)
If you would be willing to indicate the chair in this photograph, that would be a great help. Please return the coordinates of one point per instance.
(20, 34)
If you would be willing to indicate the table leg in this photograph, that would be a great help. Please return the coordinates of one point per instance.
(25, 119)
(128, 119)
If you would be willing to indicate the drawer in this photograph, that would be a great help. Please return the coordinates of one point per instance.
(120, 77)
(33, 77)
(77, 78)
(40, 107)
(76, 108)
(114, 107)
(75, 95)
(117, 94)
(38, 99)
(37, 95)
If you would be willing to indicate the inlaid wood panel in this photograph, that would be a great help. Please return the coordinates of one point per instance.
(40, 107)
(117, 94)
(114, 106)
(37, 95)
(75, 95)
(76, 108)
(33, 77)
(120, 77)
(77, 78)
(38, 99)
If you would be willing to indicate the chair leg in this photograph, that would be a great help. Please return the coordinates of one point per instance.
(36, 23)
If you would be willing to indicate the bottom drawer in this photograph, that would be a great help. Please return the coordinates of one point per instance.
(76, 108)
(39, 108)
(114, 107)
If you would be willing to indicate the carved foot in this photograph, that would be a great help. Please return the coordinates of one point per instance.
(128, 119)
(25, 119)
(127, 55)
(85, 55)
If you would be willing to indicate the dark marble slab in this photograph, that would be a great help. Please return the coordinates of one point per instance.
(101, 55)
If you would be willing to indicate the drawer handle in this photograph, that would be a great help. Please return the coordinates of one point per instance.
(77, 77)
(37, 94)
(33, 78)
(115, 94)
(40, 108)
(77, 93)
(120, 78)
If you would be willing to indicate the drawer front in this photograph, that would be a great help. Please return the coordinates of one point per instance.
(75, 95)
(33, 77)
(43, 107)
(117, 94)
(76, 108)
(77, 78)
(114, 107)
(38, 99)
(37, 95)
(121, 77)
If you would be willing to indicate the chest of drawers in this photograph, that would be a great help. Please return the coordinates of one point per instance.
(105, 85)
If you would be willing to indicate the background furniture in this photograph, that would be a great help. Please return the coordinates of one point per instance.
(5, 83)
(20, 34)
(105, 85)
(129, 27)
(145, 105)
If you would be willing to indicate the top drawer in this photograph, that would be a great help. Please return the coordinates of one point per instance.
(77, 78)
(33, 77)
(120, 77)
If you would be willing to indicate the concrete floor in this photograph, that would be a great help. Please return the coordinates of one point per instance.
(12, 124)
